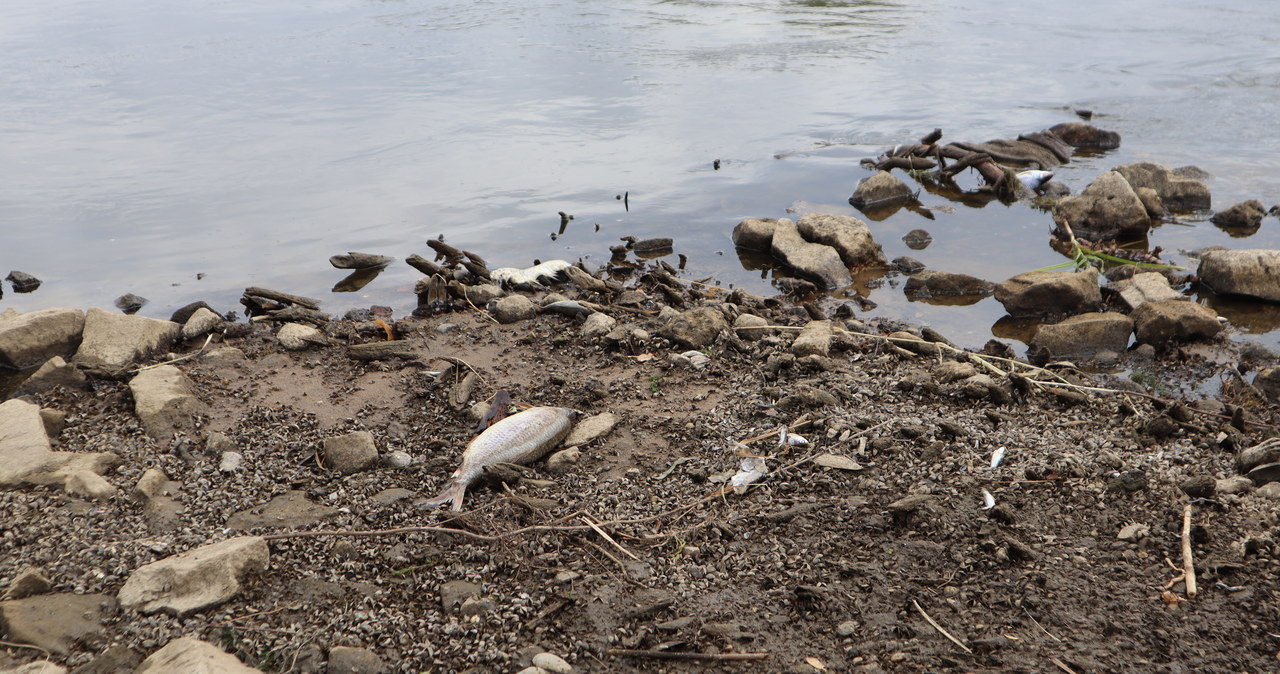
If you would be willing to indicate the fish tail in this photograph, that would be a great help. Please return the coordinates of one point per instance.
(453, 493)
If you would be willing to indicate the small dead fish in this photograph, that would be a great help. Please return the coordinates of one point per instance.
(787, 439)
(1032, 180)
(521, 438)
(988, 501)
(751, 469)
(997, 457)
(571, 308)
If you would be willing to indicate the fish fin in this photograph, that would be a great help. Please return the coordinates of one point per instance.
(451, 494)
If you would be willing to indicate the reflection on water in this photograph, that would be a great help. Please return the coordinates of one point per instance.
(148, 142)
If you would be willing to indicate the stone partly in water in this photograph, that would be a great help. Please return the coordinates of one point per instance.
(755, 234)
(816, 262)
(849, 236)
(1041, 293)
(1141, 288)
(130, 303)
(1079, 134)
(879, 191)
(1177, 193)
(1242, 219)
(1107, 209)
(1159, 323)
(1253, 272)
(948, 287)
(114, 340)
(22, 282)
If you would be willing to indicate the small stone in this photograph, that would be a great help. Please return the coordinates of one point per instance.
(567, 576)
(1133, 532)
(552, 663)
(397, 459)
(150, 484)
(847, 628)
(454, 592)
(591, 429)
(89, 485)
(837, 461)
(1271, 490)
(350, 453)
(564, 460)
(296, 336)
(189, 654)
(230, 462)
(54, 421)
(28, 583)
(22, 282)
(349, 660)
(597, 325)
(1202, 486)
(513, 309)
(1236, 484)
(477, 606)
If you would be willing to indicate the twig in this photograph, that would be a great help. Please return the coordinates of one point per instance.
(10, 644)
(459, 361)
(682, 655)
(1062, 665)
(179, 359)
(1042, 629)
(1188, 563)
(938, 627)
(609, 538)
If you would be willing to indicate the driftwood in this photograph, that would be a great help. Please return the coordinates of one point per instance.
(444, 251)
(294, 315)
(425, 266)
(360, 261)
(277, 296)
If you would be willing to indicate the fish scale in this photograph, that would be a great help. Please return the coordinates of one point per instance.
(522, 438)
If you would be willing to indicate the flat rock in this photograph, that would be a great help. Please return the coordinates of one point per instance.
(1107, 209)
(351, 453)
(1251, 272)
(837, 461)
(849, 236)
(1082, 336)
(88, 485)
(591, 429)
(454, 592)
(289, 510)
(165, 401)
(38, 667)
(597, 325)
(189, 655)
(814, 261)
(201, 323)
(26, 455)
(27, 340)
(513, 309)
(298, 336)
(53, 373)
(56, 622)
(28, 583)
(695, 328)
(748, 326)
(927, 284)
(1041, 293)
(194, 580)
(1157, 323)
(350, 660)
(880, 190)
(1079, 134)
(116, 340)
(1176, 192)
(1141, 288)
(755, 234)
(814, 339)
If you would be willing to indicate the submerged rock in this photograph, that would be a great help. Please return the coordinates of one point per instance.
(129, 303)
(1253, 272)
(1246, 216)
(22, 282)
(1176, 192)
(1079, 134)
(880, 190)
(1107, 209)
(947, 284)
(1040, 293)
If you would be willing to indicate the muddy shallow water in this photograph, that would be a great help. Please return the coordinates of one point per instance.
(148, 143)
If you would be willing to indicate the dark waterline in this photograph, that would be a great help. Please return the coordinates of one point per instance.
(148, 143)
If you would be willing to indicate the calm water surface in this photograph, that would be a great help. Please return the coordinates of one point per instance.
(146, 142)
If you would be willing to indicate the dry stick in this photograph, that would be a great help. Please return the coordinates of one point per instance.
(678, 655)
(1042, 629)
(609, 538)
(938, 627)
(1188, 564)
(1062, 665)
(179, 359)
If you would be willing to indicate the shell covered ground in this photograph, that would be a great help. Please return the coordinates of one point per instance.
(852, 563)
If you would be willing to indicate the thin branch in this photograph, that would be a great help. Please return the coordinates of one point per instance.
(681, 655)
(938, 627)
(609, 538)
(1188, 563)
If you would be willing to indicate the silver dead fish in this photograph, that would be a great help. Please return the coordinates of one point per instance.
(521, 438)
(1033, 180)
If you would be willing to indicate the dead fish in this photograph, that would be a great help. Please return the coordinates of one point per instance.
(522, 438)
(788, 439)
(997, 457)
(571, 308)
(498, 410)
(531, 277)
(988, 501)
(1034, 179)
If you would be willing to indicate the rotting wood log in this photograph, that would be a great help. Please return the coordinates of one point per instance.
(425, 266)
(399, 348)
(444, 251)
(284, 298)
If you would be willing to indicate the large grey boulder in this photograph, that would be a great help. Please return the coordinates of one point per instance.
(1039, 293)
(116, 340)
(1141, 288)
(27, 340)
(880, 190)
(1107, 209)
(55, 622)
(165, 401)
(1082, 336)
(848, 235)
(814, 261)
(1158, 323)
(194, 580)
(695, 328)
(1252, 272)
(755, 234)
(26, 455)
(1177, 193)
(189, 655)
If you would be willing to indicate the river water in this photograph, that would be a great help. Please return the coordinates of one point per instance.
(184, 151)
